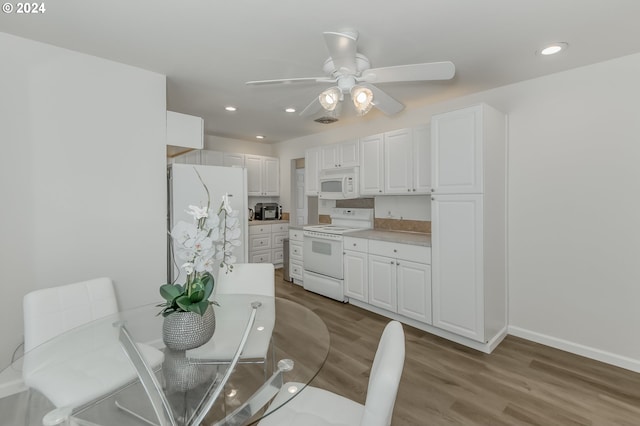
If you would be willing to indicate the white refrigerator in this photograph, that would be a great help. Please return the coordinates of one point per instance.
(185, 188)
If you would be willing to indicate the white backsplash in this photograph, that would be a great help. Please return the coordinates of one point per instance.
(408, 207)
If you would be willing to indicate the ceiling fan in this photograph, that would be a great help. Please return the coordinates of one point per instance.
(351, 74)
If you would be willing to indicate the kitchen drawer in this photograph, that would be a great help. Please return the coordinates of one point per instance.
(277, 256)
(262, 256)
(295, 250)
(295, 234)
(295, 269)
(356, 244)
(260, 242)
(420, 254)
(277, 239)
(279, 227)
(259, 229)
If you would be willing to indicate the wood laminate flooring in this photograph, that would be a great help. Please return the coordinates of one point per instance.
(443, 383)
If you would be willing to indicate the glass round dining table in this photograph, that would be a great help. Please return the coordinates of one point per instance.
(116, 371)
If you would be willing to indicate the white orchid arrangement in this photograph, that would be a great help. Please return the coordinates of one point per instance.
(201, 245)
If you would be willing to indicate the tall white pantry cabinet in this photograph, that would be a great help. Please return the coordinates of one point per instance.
(468, 214)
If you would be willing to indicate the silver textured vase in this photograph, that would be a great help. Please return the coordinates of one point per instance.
(188, 330)
(182, 374)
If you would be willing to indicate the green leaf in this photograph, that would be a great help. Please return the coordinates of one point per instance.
(199, 308)
(184, 303)
(208, 289)
(169, 291)
(197, 296)
(206, 278)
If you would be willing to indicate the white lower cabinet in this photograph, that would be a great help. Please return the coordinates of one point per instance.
(414, 290)
(266, 243)
(383, 284)
(458, 264)
(393, 276)
(356, 274)
(295, 256)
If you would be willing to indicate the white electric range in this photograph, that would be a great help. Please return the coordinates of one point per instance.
(322, 248)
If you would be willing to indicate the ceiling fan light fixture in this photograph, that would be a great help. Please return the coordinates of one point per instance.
(362, 98)
(329, 98)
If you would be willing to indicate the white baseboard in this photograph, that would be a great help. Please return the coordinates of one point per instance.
(486, 347)
(578, 349)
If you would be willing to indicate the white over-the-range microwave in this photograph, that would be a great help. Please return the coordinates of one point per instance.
(339, 184)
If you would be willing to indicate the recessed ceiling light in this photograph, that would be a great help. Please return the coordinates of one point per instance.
(259, 137)
(553, 48)
(290, 109)
(230, 108)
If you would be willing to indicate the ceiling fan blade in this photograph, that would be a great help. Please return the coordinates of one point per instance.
(416, 72)
(293, 80)
(342, 49)
(312, 108)
(384, 102)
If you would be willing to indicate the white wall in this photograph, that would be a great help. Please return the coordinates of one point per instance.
(574, 234)
(574, 181)
(83, 176)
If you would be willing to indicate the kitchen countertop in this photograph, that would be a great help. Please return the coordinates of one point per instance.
(266, 222)
(415, 238)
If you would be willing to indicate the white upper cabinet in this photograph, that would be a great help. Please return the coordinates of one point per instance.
(271, 176)
(185, 130)
(457, 151)
(254, 165)
(372, 165)
(191, 157)
(211, 158)
(311, 170)
(263, 175)
(233, 159)
(421, 160)
(398, 162)
(339, 155)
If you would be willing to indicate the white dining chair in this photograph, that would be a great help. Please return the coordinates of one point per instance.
(245, 278)
(76, 369)
(318, 407)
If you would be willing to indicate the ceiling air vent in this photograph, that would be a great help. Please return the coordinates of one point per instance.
(326, 120)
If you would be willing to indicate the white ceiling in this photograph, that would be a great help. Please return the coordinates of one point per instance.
(208, 49)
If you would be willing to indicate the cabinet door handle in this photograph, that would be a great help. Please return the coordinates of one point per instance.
(392, 262)
(414, 190)
(408, 190)
(380, 190)
(433, 190)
